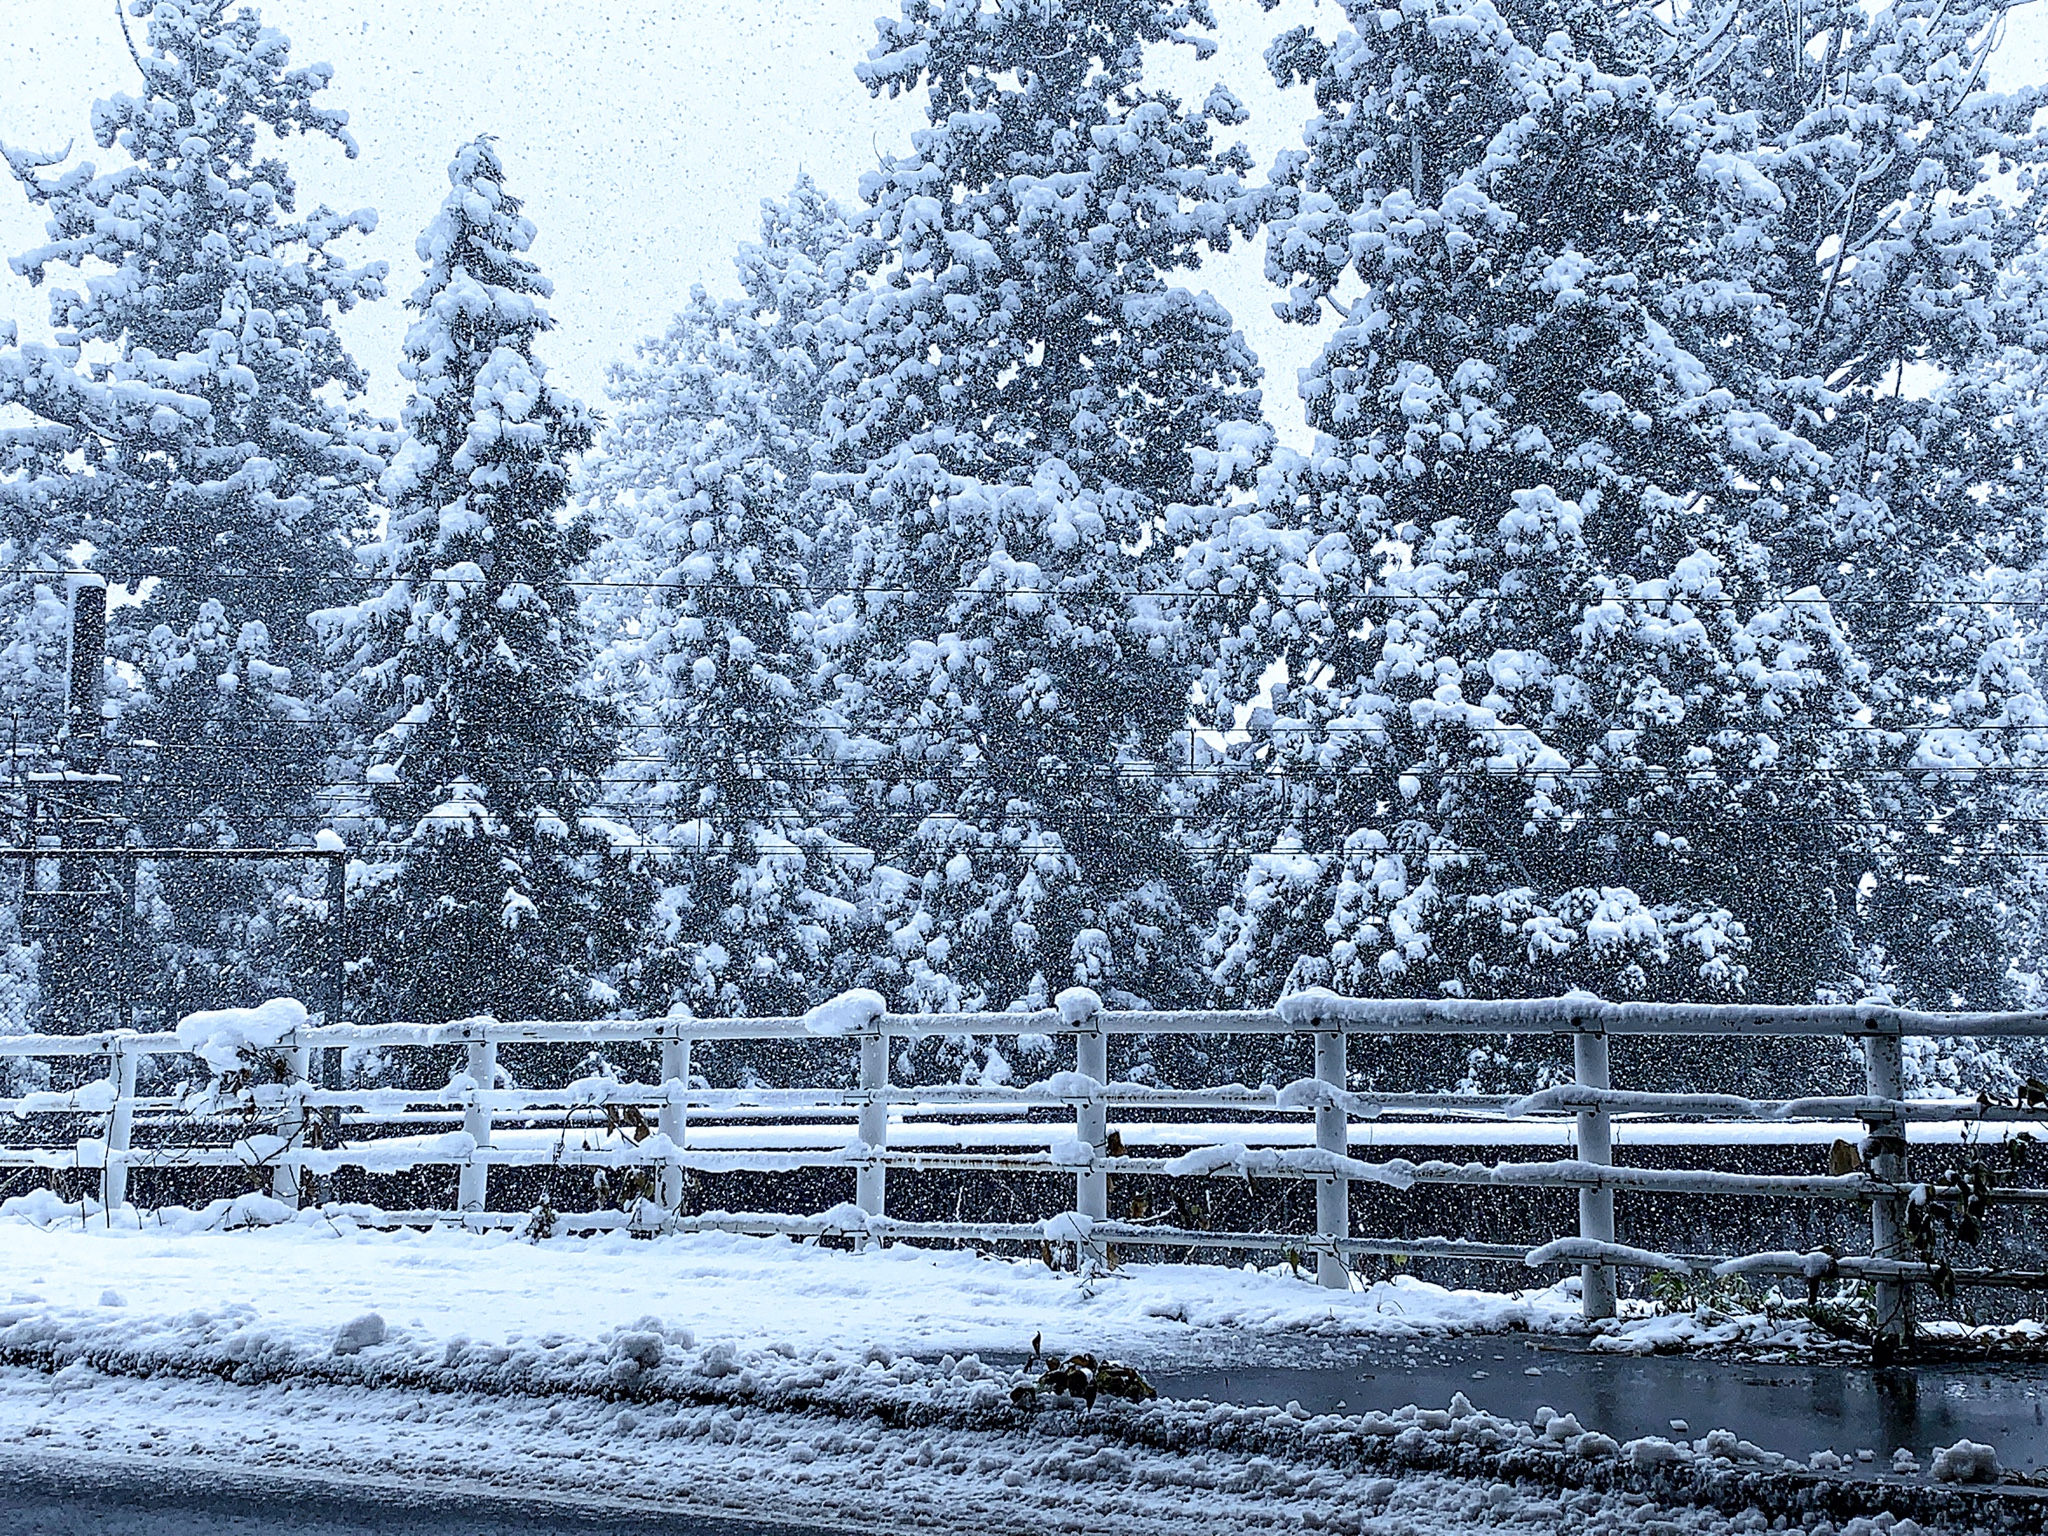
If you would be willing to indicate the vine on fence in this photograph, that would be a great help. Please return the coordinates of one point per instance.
(1956, 1208)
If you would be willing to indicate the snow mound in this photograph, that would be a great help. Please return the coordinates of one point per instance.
(1965, 1462)
(365, 1332)
(1077, 1005)
(222, 1037)
(850, 1013)
(1587, 1251)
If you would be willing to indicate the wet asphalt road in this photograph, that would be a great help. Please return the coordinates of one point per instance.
(1795, 1409)
(43, 1497)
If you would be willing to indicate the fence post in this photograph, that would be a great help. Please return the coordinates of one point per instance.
(673, 1121)
(472, 1182)
(120, 1127)
(1595, 1145)
(871, 1183)
(284, 1177)
(337, 981)
(1884, 1067)
(1091, 1119)
(1333, 1134)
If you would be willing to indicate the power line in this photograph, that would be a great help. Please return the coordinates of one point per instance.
(1653, 779)
(1590, 822)
(1451, 598)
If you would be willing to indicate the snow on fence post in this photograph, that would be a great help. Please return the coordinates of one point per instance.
(476, 1120)
(291, 1129)
(1333, 1134)
(1595, 1145)
(871, 1183)
(673, 1120)
(1884, 1067)
(120, 1125)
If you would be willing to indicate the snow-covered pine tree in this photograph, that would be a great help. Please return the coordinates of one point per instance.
(490, 891)
(716, 671)
(193, 384)
(1553, 716)
(1887, 340)
(33, 692)
(1018, 404)
(704, 499)
(754, 363)
(34, 480)
(2020, 372)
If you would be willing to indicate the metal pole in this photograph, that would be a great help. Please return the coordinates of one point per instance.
(471, 1184)
(1595, 1145)
(284, 1178)
(1333, 1135)
(1884, 1066)
(871, 1182)
(79, 970)
(130, 970)
(673, 1119)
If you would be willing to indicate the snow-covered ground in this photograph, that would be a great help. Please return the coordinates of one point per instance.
(316, 1272)
(788, 1382)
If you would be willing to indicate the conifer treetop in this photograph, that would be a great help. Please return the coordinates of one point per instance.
(474, 646)
(219, 288)
(1024, 312)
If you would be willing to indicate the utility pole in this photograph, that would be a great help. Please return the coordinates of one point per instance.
(84, 732)
(79, 980)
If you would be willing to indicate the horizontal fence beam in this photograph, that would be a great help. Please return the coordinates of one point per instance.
(1251, 1163)
(1304, 1013)
(1295, 1099)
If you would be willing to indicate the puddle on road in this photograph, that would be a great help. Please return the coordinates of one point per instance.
(1793, 1409)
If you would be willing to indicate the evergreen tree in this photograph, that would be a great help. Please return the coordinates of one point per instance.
(1020, 401)
(1555, 716)
(33, 694)
(191, 395)
(488, 892)
(716, 667)
(704, 496)
(755, 363)
(1888, 339)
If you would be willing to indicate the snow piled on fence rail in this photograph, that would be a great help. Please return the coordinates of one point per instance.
(781, 1381)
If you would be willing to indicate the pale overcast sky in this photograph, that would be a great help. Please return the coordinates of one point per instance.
(642, 134)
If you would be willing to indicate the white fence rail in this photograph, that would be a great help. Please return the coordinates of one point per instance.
(1309, 1129)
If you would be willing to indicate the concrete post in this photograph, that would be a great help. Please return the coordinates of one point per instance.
(1596, 1145)
(120, 1128)
(284, 1178)
(673, 1119)
(1333, 1134)
(1884, 1066)
(872, 1183)
(473, 1182)
(1091, 1121)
